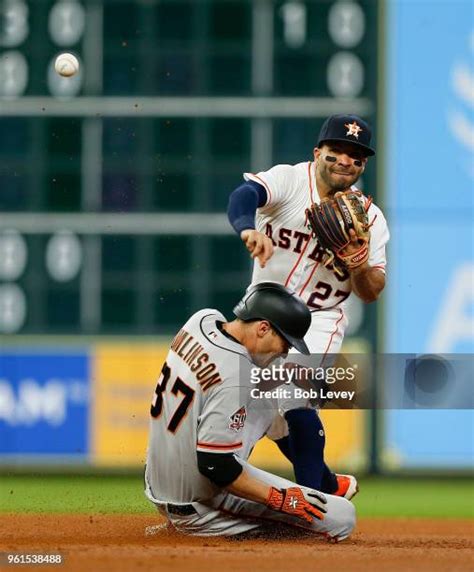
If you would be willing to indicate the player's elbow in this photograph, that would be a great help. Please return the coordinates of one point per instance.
(374, 293)
(365, 295)
(222, 469)
(371, 290)
(369, 297)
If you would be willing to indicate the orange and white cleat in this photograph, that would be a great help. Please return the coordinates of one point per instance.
(347, 486)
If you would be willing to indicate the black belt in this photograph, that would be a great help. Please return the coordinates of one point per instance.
(181, 509)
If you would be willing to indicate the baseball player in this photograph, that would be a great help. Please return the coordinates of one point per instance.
(205, 420)
(268, 213)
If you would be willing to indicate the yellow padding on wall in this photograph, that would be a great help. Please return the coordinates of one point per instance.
(124, 379)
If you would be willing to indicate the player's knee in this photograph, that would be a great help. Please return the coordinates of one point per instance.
(347, 518)
(351, 517)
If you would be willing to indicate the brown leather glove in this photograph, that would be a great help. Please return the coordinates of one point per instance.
(332, 221)
(305, 505)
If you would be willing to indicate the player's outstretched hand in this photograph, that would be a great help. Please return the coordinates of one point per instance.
(294, 501)
(258, 244)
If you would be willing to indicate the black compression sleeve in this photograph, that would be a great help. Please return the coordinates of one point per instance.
(221, 468)
(243, 204)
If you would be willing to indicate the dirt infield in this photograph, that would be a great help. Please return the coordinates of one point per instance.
(118, 543)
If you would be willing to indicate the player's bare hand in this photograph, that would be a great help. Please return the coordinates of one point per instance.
(258, 244)
(304, 504)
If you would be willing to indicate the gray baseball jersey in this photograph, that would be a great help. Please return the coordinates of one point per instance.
(201, 403)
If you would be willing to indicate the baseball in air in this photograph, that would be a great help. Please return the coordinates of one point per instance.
(66, 65)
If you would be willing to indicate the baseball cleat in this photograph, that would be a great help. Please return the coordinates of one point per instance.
(347, 486)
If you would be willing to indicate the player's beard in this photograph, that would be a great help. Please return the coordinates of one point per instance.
(343, 182)
(329, 177)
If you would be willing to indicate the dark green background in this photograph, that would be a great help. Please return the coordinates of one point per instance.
(166, 48)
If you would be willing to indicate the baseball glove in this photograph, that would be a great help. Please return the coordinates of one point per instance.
(331, 221)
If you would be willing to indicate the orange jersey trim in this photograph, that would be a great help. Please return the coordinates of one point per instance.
(310, 276)
(310, 182)
(267, 188)
(297, 262)
(219, 447)
(333, 334)
(287, 281)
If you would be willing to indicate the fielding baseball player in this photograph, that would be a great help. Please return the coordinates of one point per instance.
(205, 420)
(270, 212)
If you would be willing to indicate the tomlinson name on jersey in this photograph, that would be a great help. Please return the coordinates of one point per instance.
(193, 354)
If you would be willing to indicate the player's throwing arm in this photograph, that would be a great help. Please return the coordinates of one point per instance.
(258, 244)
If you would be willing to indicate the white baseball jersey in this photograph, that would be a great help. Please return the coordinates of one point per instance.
(297, 257)
(201, 403)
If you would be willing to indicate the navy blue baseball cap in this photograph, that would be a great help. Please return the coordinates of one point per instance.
(349, 128)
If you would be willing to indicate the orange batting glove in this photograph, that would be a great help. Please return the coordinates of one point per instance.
(297, 502)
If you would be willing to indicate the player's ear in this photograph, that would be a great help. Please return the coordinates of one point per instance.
(316, 152)
(263, 328)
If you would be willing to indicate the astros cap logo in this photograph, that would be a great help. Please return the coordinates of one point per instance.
(353, 129)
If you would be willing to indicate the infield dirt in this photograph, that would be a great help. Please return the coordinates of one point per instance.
(142, 543)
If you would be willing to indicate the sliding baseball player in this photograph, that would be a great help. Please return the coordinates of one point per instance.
(206, 417)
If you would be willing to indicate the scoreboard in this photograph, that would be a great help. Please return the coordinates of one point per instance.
(114, 183)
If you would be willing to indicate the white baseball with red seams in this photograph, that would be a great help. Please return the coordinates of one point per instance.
(66, 65)
(297, 259)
